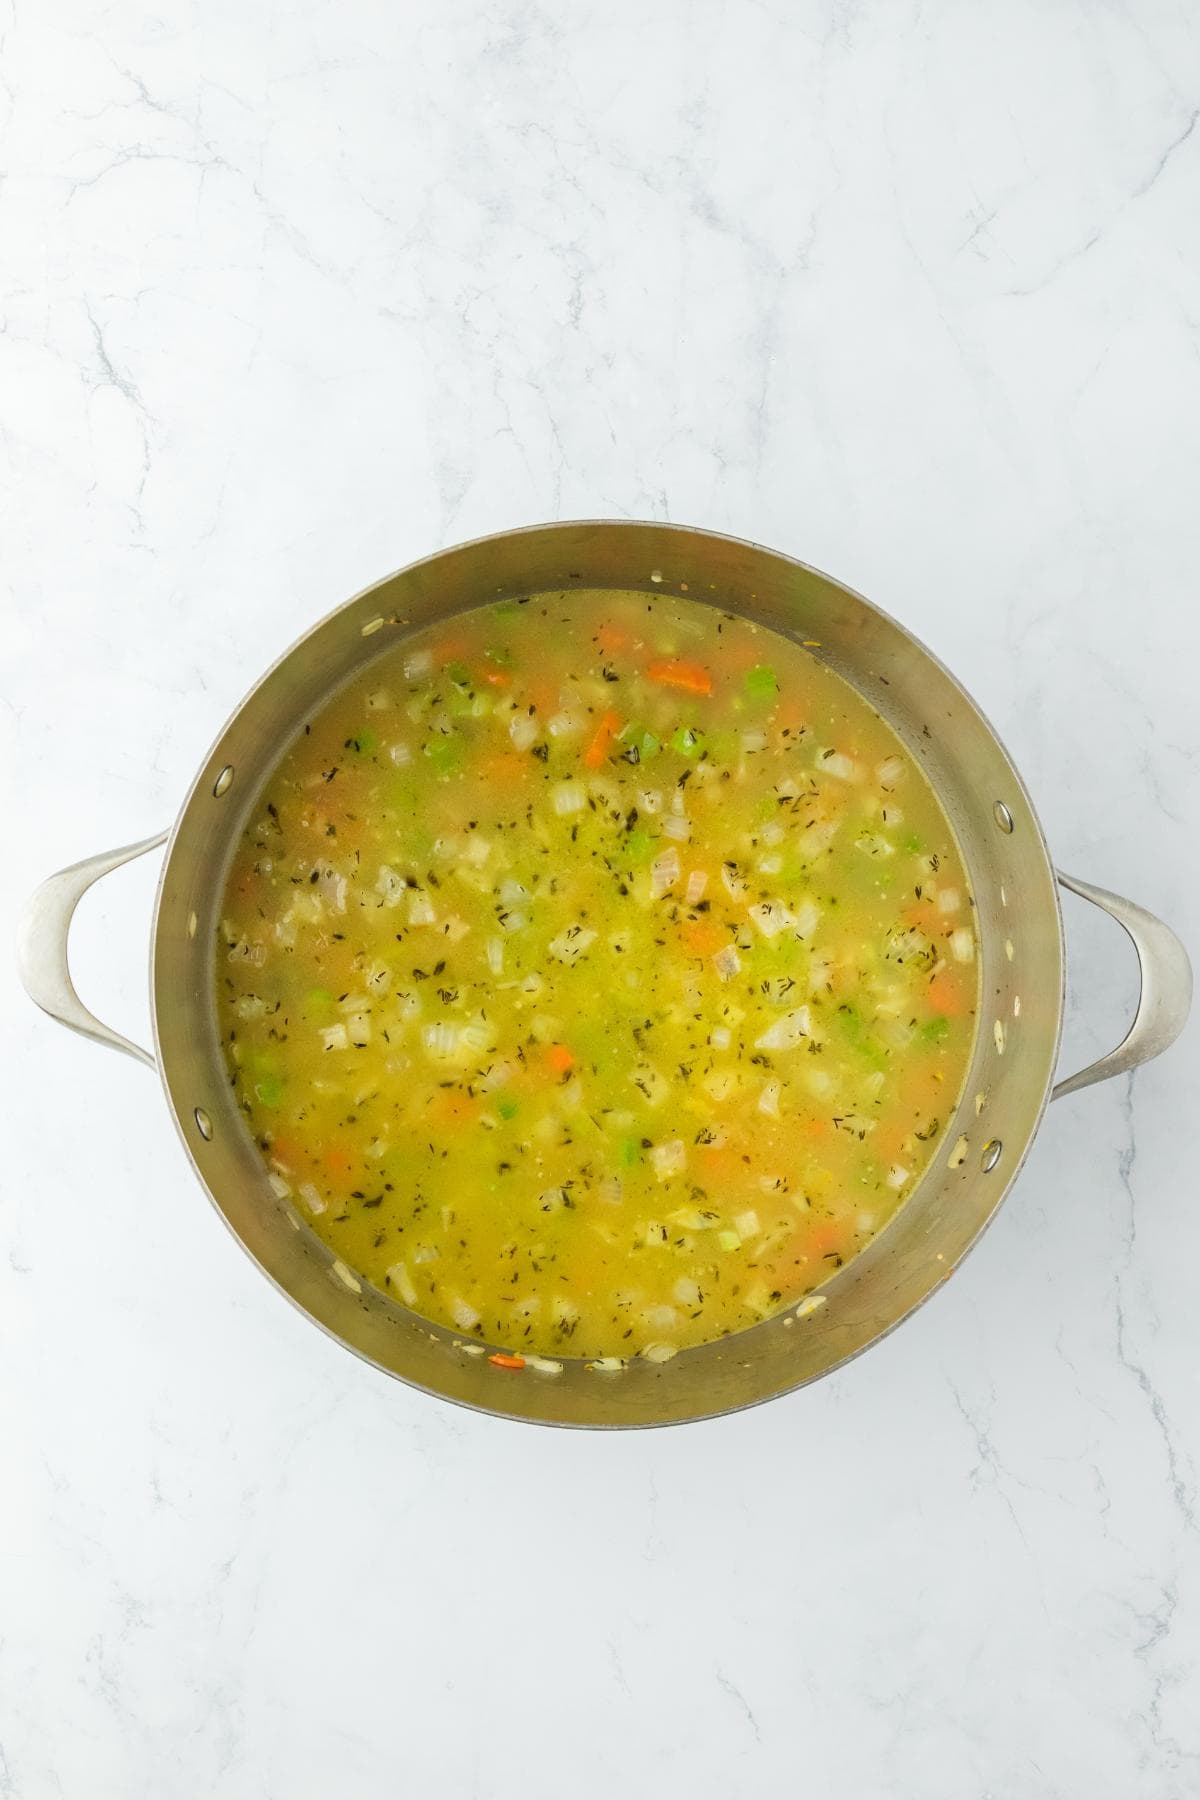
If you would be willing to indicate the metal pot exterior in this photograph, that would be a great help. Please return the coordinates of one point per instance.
(1022, 976)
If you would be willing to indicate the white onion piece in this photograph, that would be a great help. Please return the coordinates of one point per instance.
(697, 881)
(889, 771)
(720, 1037)
(771, 917)
(513, 893)
(664, 871)
(732, 882)
(400, 755)
(334, 1037)
(522, 730)
(417, 664)
(568, 797)
(768, 1100)
(571, 943)
(494, 951)
(843, 768)
(402, 1281)
(787, 1031)
(962, 944)
(807, 917)
(440, 1039)
(564, 724)
(669, 1159)
(420, 908)
(726, 962)
(676, 827)
(464, 1316)
(312, 1199)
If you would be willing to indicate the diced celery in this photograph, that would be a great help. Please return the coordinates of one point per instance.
(761, 683)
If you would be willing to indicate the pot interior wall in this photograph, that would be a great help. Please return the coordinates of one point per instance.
(1022, 972)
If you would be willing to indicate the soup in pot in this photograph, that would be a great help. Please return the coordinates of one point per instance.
(597, 973)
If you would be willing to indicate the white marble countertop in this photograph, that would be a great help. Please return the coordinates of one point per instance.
(291, 296)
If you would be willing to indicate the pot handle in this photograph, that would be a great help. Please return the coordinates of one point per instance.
(42, 938)
(1166, 994)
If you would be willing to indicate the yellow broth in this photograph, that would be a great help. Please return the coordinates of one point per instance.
(596, 974)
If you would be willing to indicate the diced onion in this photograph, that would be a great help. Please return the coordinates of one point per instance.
(790, 1029)
(380, 700)
(664, 871)
(897, 1175)
(727, 962)
(568, 797)
(732, 882)
(889, 771)
(669, 1159)
(962, 944)
(400, 755)
(420, 908)
(564, 724)
(843, 768)
(753, 741)
(494, 951)
(697, 881)
(417, 664)
(720, 1037)
(522, 730)
(676, 827)
(334, 1037)
(402, 1281)
(650, 800)
(768, 1100)
(440, 1039)
(949, 900)
(464, 1316)
(358, 1027)
(513, 893)
(570, 944)
(746, 1224)
(771, 917)
(659, 1353)
(314, 1201)
(279, 1187)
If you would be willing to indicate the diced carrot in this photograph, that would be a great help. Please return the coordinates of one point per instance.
(611, 637)
(601, 743)
(507, 766)
(559, 1058)
(502, 1361)
(816, 1126)
(945, 995)
(672, 671)
(703, 937)
(824, 1236)
(497, 677)
(337, 1160)
(451, 649)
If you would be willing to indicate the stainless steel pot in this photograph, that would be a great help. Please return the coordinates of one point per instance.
(1015, 888)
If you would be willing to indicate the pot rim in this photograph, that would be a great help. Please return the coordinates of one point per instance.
(1014, 1161)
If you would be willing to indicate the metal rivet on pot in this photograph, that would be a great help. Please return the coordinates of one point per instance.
(224, 781)
(203, 1124)
(1002, 816)
(991, 1155)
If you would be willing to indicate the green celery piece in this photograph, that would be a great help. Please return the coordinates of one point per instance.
(445, 753)
(761, 683)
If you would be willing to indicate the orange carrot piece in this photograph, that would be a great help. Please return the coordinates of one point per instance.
(672, 671)
(703, 937)
(559, 1058)
(945, 995)
(610, 637)
(502, 1361)
(497, 677)
(601, 743)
